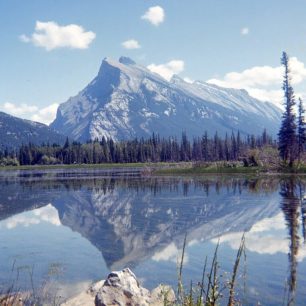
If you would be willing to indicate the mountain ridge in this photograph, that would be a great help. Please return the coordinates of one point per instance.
(15, 131)
(126, 100)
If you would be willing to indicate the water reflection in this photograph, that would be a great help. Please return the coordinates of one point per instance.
(131, 219)
(292, 192)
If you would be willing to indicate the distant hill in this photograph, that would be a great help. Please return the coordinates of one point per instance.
(15, 131)
(127, 100)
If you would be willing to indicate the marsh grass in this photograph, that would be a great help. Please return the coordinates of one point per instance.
(212, 288)
(45, 294)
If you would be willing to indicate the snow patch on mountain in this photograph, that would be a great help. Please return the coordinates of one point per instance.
(127, 100)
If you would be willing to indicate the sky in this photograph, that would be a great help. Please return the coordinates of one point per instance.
(51, 49)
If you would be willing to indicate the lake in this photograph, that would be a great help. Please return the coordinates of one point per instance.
(62, 230)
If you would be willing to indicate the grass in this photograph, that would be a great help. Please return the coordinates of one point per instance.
(45, 294)
(158, 168)
(155, 165)
(74, 166)
(298, 169)
(211, 290)
(207, 170)
(175, 168)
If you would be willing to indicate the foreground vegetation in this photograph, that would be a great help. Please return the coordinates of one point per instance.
(208, 292)
(211, 290)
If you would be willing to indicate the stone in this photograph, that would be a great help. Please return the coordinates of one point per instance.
(85, 298)
(121, 288)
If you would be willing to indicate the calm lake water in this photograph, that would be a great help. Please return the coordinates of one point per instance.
(69, 229)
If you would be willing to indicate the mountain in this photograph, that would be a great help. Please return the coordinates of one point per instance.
(15, 131)
(127, 100)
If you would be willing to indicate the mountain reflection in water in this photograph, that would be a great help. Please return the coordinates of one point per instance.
(133, 220)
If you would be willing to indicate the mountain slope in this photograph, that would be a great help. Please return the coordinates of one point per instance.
(127, 100)
(15, 131)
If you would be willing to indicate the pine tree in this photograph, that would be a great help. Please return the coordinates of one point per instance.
(287, 132)
(301, 128)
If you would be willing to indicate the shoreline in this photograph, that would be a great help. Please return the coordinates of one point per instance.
(168, 168)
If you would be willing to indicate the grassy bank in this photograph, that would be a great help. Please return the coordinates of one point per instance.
(176, 168)
(80, 166)
(160, 168)
(207, 169)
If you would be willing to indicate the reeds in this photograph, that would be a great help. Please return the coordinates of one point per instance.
(14, 295)
(211, 289)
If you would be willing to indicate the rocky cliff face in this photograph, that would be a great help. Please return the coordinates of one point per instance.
(127, 100)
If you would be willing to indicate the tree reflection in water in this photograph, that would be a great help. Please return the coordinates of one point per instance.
(292, 193)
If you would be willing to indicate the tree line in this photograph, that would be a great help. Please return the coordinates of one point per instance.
(232, 147)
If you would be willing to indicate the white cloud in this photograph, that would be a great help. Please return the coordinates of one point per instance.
(131, 44)
(21, 221)
(170, 253)
(25, 38)
(19, 110)
(273, 95)
(260, 81)
(50, 36)
(256, 76)
(244, 31)
(46, 214)
(45, 115)
(169, 69)
(154, 15)
(267, 236)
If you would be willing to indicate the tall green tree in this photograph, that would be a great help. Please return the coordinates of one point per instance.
(287, 134)
(301, 128)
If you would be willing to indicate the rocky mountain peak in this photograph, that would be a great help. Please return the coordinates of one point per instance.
(127, 100)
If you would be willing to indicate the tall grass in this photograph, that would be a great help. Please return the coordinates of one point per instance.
(211, 290)
(45, 294)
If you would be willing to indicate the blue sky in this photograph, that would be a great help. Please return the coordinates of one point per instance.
(207, 40)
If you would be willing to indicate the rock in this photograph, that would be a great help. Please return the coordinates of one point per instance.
(122, 288)
(86, 297)
(162, 295)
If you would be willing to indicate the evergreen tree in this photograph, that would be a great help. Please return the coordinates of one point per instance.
(287, 132)
(301, 128)
(265, 139)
